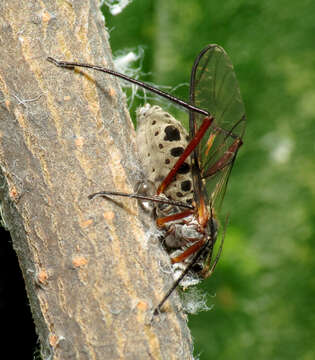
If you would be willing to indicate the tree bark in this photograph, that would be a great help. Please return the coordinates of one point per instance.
(93, 272)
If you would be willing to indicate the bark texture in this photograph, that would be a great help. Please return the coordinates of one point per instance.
(91, 270)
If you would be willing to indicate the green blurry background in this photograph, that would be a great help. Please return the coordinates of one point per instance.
(264, 285)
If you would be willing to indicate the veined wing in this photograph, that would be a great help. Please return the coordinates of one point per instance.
(214, 87)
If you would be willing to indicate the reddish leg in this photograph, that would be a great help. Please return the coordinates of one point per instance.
(161, 221)
(191, 250)
(226, 157)
(190, 147)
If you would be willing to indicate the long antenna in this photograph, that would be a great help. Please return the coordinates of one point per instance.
(153, 198)
(71, 65)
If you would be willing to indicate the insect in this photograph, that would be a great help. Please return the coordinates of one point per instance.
(189, 172)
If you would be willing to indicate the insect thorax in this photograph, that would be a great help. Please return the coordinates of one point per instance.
(161, 140)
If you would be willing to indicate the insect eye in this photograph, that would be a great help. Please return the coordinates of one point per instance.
(146, 189)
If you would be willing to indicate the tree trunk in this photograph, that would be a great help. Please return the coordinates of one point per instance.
(93, 272)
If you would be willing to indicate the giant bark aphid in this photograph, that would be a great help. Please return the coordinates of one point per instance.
(189, 172)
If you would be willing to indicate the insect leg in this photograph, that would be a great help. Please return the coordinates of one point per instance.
(191, 250)
(184, 273)
(190, 147)
(209, 269)
(225, 159)
(163, 220)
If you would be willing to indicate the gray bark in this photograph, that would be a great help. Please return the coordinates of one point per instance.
(92, 272)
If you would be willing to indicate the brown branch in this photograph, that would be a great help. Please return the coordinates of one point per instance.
(91, 273)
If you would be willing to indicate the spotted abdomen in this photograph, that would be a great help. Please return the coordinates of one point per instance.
(161, 140)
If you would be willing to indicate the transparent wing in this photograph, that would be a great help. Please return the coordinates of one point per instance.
(214, 88)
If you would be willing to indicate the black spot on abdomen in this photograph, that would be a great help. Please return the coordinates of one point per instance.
(177, 151)
(171, 133)
(184, 168)
(185, 185)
